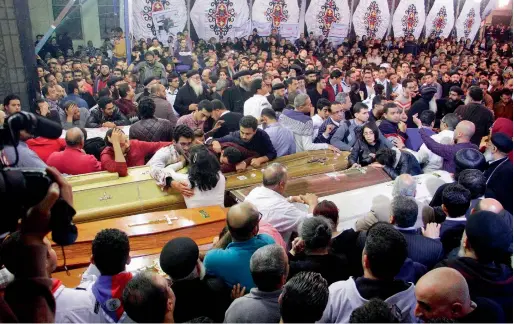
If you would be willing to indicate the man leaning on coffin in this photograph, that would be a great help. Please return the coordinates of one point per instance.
(173, 157)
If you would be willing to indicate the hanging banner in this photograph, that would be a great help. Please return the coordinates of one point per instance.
(158, 18)
(493, 4)
(219, 18)
(276, 12)
(323, 14)
(440, 19)
(468, 23)
(263, 28)
(337, 33)
(371, 18)
(289, 31)
(409, 18)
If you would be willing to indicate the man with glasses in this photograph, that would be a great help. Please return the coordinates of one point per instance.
(331, 124)
(232, 264)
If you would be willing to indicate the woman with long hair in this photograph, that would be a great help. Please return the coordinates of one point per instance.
(366, 146)
(204, 178)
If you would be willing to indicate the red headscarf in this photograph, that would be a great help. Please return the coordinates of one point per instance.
(503, 125)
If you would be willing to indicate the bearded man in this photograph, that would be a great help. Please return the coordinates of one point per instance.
(190, 94)
(235, 97)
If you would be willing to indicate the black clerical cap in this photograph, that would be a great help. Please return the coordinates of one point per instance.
(502, 142)
(178, 257)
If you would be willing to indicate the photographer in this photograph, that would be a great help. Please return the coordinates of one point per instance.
(29, 297)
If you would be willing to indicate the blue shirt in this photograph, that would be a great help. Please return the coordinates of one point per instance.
(81, 103)
(26, 157)
(232, 264)
(281, 138)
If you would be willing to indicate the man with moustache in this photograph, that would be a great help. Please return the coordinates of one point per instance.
(499, 171)
(477, 113)
(235, 97)
(190, 94)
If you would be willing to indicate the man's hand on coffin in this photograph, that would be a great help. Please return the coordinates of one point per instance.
(355, 165)
(296, 199)
(310, 199)
(256, 163)
(182, 187)
(376, 165)
(333, 149)
(109, 125)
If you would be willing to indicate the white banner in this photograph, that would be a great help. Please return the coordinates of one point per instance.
(323, 14)
(289, 31)
(371, 18)
(263, 28)
(468, 23)
(409, 18)
(493, 4)
(276, 12)
(161, 19)
(440, 19)
(219, 18)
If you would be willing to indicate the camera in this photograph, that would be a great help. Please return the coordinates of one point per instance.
(23, 188)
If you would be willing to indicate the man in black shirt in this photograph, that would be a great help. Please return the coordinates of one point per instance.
(443, 294)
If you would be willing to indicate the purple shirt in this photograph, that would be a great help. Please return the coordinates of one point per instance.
(447, 152)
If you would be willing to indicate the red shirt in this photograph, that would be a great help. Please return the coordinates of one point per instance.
(45, 146)
(134, 157)
(74, 161)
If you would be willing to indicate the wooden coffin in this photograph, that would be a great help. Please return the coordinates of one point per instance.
(200, 224)
(104, 195)
(327, 183)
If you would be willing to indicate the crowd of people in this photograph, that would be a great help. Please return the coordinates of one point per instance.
(401, 105)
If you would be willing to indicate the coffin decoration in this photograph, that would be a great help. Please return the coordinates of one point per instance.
(104, 195)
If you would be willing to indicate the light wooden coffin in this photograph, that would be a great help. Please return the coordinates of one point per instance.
(148, 232)
(104, 195)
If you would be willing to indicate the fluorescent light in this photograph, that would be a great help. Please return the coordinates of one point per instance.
(503, 3)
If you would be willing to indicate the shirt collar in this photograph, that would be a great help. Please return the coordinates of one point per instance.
(457, 219)
(225, 112)
(334, 122)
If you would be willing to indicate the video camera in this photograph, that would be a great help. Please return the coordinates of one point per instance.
(23, 188)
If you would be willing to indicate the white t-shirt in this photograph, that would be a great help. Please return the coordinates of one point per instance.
(213, 197)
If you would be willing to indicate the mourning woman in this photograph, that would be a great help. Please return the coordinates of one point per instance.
(311, 251)
(366, 146)
(204, 178)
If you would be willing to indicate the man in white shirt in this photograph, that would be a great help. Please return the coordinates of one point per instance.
(276, 209)
(321, 115)
(171, 92)
(258, 102)
(430, 161)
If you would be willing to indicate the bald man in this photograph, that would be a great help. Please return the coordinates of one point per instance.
(73, 160)
(163, 108)
(232, 264)
(443, 294)
(277, 210)
(461, 138)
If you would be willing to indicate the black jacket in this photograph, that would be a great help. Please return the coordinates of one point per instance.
(407, 164)
(417, 108)
(259, 143)
(231, 124)
(97, 118)
(422, 249)
(234, 98)
(491, 281)
(480, 116)
(499, 186)
(186, 96)
(361, 152)
(197, 298)
(152, 130)
(332, 267)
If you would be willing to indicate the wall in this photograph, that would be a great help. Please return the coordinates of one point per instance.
(41, 15)
(13, 77)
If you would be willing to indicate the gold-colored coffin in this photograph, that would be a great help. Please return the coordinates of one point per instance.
(103, 195)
